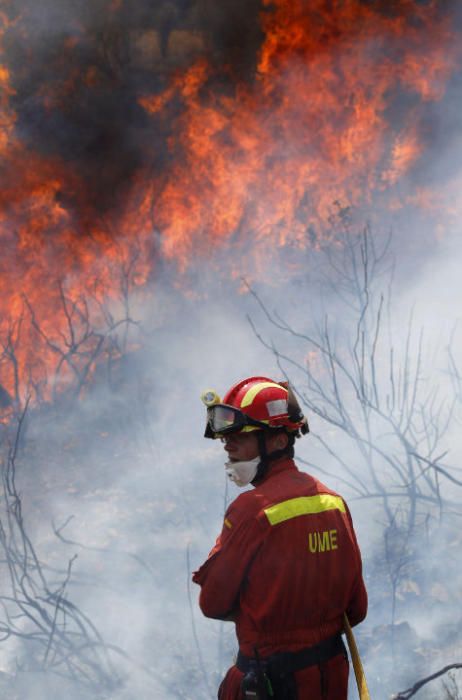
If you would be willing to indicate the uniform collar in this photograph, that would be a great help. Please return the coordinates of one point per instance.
(278, 466)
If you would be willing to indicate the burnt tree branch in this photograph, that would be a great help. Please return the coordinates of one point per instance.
(410, 692)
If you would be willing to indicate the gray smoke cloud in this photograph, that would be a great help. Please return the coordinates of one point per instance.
(129, 464)
(147, 493)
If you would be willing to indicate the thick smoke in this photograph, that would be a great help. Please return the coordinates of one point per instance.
(129, 463)
(79, 69)
(147, 492)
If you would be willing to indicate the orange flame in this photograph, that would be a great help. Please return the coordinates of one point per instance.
(268, 162)
(254, 168)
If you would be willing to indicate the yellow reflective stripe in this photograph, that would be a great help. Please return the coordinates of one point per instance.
(305, 505)
(251, 393)
(228, 523)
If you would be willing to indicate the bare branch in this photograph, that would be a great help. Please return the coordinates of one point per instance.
(410, 692)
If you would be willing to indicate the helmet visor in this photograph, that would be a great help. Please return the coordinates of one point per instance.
(225, 419)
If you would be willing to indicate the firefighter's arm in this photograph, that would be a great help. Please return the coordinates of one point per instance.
(223, 573)
(357, 606)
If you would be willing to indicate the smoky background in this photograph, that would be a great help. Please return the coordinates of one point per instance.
(126, 479)
(122, 472)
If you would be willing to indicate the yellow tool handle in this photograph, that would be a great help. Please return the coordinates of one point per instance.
(363, 690)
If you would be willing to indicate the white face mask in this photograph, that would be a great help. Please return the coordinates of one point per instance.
(242, 473)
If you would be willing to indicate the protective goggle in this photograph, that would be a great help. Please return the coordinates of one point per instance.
(223, 419)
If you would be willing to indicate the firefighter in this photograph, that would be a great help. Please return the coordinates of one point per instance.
(286, 566)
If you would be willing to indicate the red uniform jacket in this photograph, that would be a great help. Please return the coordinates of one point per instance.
(286, 565)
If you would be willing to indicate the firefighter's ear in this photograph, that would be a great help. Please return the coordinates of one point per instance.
(278, 440)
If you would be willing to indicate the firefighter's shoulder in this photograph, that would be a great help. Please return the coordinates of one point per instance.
(244, 508)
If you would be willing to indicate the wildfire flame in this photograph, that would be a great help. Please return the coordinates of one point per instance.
(253, 165)
(269, 161)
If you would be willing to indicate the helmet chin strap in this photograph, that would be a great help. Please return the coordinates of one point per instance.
(266, 458)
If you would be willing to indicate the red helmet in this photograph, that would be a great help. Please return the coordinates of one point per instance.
(255, 403)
